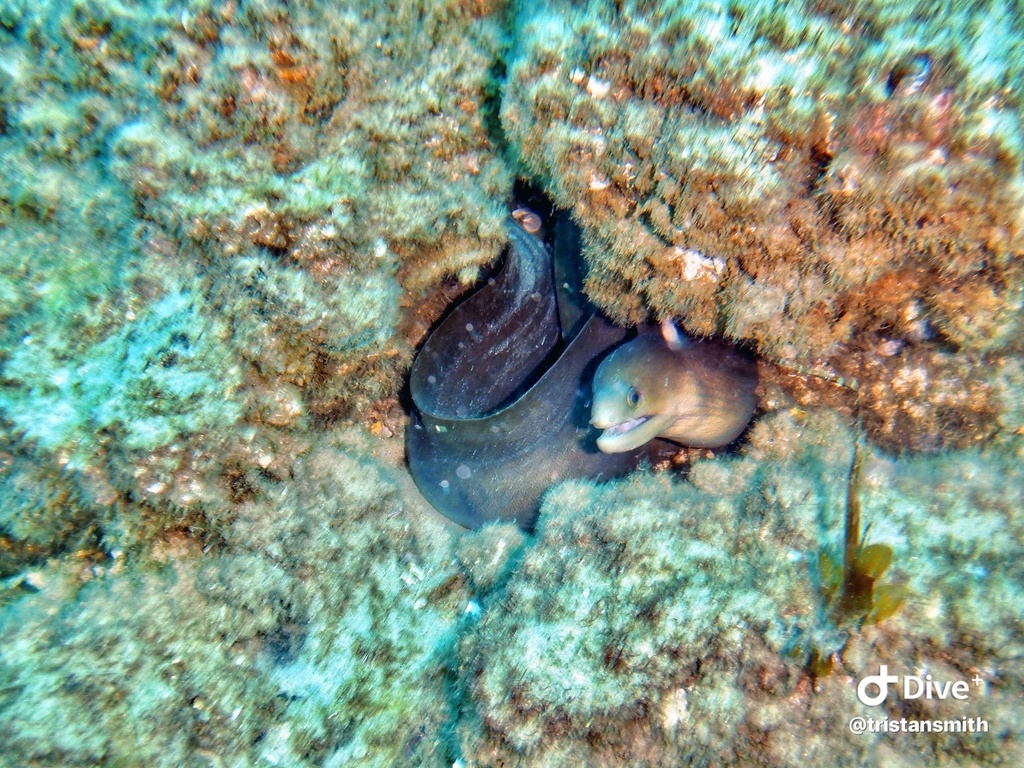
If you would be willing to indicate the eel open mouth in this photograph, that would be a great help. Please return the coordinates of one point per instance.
(626, 426)
(630, 434)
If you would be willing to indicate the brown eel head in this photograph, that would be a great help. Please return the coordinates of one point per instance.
(699, 394)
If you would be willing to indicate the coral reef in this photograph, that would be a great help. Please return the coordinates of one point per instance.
(278, 646)
(223, 229)
(218, 222)
(840, 189)
(658, 622)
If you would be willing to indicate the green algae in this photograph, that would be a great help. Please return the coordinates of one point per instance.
(160, 377)
(209, 217)
(852, 589)
(318, 633)
(657, 618)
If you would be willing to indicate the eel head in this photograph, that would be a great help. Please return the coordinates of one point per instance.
(695, 393)
(631, 403)
(627, 414)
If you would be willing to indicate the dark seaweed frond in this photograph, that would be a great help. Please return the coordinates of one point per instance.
(851, 590)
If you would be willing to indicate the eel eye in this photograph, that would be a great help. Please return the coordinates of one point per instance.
(632, 397)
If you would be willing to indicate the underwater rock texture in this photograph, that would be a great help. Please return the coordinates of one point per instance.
(652, 621)
(840, 189)
(215, 219)
(657, 622)
(319, 632)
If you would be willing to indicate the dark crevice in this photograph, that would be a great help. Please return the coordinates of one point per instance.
(490, 106)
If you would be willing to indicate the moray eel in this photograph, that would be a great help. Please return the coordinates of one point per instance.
(698, 393)
(501, 393)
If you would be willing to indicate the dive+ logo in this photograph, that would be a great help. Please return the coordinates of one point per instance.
(873, 689)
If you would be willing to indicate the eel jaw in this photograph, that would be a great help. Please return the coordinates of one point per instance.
(630, 434)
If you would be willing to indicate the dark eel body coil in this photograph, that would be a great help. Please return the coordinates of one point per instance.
(501, 397)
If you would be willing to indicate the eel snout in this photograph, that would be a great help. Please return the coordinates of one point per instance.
(619, 429)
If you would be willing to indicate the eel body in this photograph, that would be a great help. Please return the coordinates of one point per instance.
(501, 399)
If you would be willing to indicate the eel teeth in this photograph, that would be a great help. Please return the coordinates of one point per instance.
(625, 426)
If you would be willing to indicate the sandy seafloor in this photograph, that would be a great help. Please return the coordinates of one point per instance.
(225, 228)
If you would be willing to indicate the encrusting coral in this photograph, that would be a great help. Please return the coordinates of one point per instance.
(839, 188)
(218, 224)
(280, 646)
(658, 622)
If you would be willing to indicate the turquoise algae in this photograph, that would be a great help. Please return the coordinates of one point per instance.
(226, 227)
